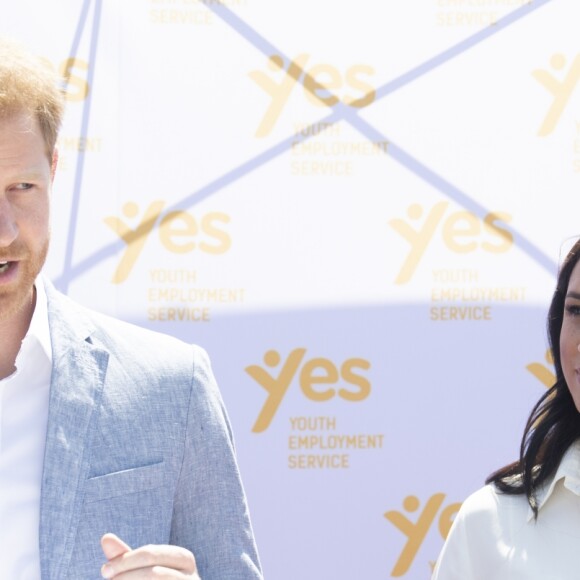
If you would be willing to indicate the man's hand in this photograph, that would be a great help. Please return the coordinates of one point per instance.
(154, 561)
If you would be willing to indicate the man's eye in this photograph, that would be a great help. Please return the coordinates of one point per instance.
(23, 186)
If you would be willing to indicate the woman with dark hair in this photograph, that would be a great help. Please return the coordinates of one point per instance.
(525, 523)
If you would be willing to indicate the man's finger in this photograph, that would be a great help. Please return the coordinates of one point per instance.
(180, 561)
(113, 546)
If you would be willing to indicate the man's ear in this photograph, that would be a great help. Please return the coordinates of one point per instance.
(54, 163)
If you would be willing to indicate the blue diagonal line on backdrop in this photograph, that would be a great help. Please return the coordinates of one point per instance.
(458, 48)
(65, 278)
(243, 28)
(80, 28)
(453, 192)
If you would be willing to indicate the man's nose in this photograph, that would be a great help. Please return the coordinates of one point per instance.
(8, 226)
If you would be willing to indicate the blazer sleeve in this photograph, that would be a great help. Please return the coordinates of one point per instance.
(210, 515)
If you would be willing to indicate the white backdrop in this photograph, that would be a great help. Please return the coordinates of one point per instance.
(357, 209)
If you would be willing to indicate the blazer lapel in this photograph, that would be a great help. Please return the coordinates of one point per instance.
(78, 374)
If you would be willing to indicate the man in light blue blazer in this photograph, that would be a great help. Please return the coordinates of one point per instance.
(116, 456)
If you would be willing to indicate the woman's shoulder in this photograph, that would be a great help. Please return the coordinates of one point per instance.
(481, 535)
(495, 510)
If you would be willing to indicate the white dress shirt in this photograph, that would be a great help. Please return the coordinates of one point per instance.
(495, 537)
(23, 418)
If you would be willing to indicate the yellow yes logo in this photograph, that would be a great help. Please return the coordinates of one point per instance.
(417, 532)
(462, 232)
(314, 375)
(317, 81)
(178, 233)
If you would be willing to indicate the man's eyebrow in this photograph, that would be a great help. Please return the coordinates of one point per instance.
(573, 294)
(30, 175)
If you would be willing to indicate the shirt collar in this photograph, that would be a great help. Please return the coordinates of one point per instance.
(39, 329)
(568, 470)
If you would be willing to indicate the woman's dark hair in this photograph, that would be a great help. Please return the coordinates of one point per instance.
(553, 424)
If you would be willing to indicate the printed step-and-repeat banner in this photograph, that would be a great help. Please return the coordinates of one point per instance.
(358, 209)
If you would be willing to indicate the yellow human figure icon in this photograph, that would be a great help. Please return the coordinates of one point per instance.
(542, 372)
(560, 89)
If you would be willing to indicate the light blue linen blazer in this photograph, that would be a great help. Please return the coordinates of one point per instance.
(138, 443)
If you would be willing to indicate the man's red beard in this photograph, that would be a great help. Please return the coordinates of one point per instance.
(16, 296)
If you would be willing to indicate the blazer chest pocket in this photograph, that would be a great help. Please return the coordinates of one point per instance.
(124, 482)
(136, 504)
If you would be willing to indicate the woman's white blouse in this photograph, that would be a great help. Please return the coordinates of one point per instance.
(495, 537)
